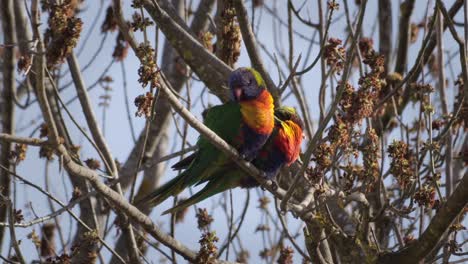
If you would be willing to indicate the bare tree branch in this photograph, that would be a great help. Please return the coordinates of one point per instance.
(403, 37)
(251, 45)
(349, 191)
(212, 71)
(447, 213)
(163, 109)
(385, 31)
(7, 106)
(158, 137)
(65, 208)
(417, 70)
(120, 202)
(331, 112)
(102, 145)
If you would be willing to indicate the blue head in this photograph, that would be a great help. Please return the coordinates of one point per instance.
(245, 84)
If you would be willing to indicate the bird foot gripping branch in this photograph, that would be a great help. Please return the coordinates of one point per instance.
(242, 157)
(274, 185)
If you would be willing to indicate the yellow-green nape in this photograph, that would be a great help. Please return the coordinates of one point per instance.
(285, 110)
(258, 77)
(285, 113)
(289, 109)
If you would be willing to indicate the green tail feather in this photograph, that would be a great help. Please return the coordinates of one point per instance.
(185, 163)
(209, 190)
(173, 187)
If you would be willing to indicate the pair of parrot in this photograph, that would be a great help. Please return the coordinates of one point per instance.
(267, 137)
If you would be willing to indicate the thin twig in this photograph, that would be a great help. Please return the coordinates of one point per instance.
(251, 45)
(64, 206)
(286, 231)
(14, 241)
(331, 112)
(290, 76)
(322, 44)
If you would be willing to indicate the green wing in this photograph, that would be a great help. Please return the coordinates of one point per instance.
(225, 121)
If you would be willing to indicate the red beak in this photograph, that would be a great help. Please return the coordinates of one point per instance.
(238, 93)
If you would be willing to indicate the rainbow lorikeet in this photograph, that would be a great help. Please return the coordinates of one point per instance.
(282, 148)
(245, 122)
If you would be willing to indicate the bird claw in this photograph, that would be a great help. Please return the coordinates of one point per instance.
(274, 185)
(243, 156)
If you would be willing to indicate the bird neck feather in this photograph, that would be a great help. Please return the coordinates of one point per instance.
(258, 113)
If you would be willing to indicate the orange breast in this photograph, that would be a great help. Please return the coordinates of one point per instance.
(258, 114)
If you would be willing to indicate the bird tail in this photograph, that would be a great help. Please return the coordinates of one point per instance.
(209, 190)
(172, 187)
(185, 163)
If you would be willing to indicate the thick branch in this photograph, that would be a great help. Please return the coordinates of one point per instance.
(4, 137)
(201, 16)
(385, 31)
(166, 90)
(23, 32)
(123, 205)
(23, 35)
(89, 114)
(102, 145)
(158, 138)
(7, 105)
(403, 37)
(231, 152)
(119, 201)
(163, 109)
(212, 71)
(56, 126)
(39, 66)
